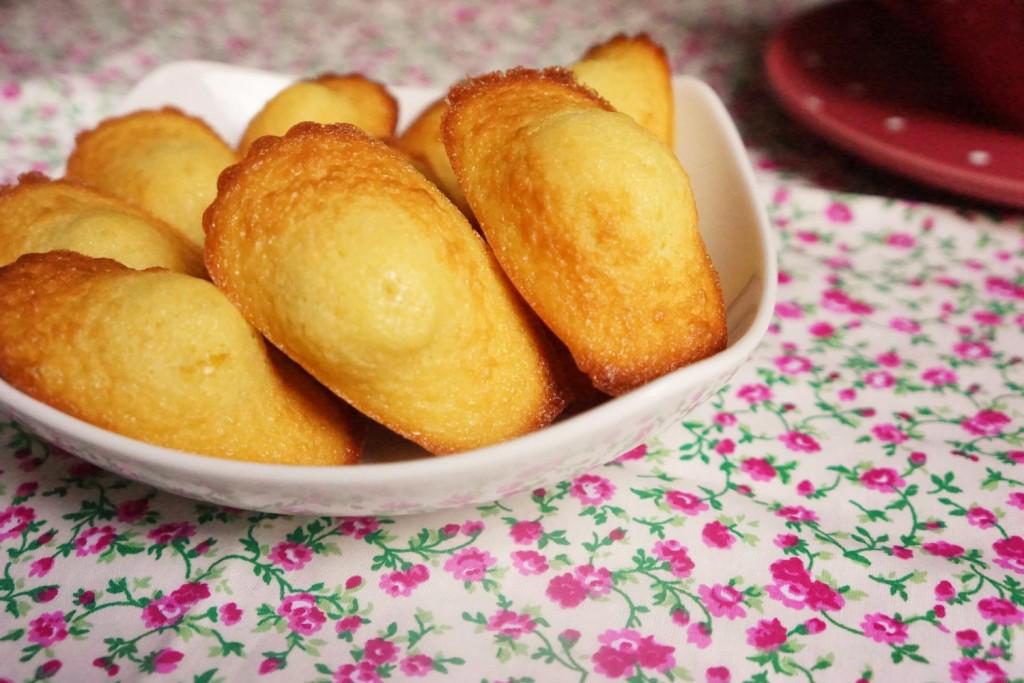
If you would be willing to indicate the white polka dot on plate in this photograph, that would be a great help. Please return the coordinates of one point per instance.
(978, 157)
(894, 124)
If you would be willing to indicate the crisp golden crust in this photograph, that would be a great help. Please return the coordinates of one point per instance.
(359, 269)
(161, 357)
(163, 161)
(634, 74)
(422, 141)
(39, 215)
(592, 218)
(328, 98)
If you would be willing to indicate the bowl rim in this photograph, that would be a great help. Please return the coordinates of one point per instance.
(560, 433)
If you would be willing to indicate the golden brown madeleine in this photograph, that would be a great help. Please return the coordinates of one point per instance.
(163, 161)
(593, 220)
(40, 215)
(330, 98)
(422, 141)
(161, 357)
(633, 74)
(359, 269)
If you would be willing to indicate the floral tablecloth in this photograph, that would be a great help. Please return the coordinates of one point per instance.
(851, 508)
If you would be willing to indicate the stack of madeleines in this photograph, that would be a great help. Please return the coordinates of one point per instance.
(346, 263)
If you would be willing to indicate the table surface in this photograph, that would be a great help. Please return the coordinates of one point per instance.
(849, 508)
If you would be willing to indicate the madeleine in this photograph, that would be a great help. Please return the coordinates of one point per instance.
(633, 74)
(330, 98)
(422, 141)
(593, 220)
(39, 215)
(162, 161)
(359, 269)
(161, 357)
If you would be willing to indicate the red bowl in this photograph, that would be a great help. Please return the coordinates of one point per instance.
(982, 42)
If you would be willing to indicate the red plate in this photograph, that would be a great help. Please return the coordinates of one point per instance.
(855, 76)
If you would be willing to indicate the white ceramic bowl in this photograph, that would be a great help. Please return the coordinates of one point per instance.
(394, 481)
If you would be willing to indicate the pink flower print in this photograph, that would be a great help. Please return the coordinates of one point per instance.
(1011, 553)
(814, 626)
(880, 379)
(800, 442)
(687, 503)
(807, 236)
(797, 513)
(566, 590)
(41, 567)
(676, 554)
(290, 556)
(939, 376)
(901, 552)
(591, 489)
(380, 651)
(725, 447)
(526, 532)
(717, 535)
(905, 325)
(983, 518)
(698, 634)
(188, 594)
(784, 278)
(944, 591)
(167, 533)
(163, 612)
(725, 419)
(302, 613)
(611, 662)
(167, 661)
(623, 649)
(271, 664)
(529, 562)
(349, 624)
(597, 581)
(1002, 287)
(786, 540)
(838, 212)
(900, 240)
(805, 488)
(968, 638)
(889, 433)
(767, 635)
(754, 393)
(397, 584)
(635, 453)
(230, 614)
(10, 90)
(882, 628)
(359, 527)
(363, 672)
(132, 510)
(972, 350)
(883, 479)
(14, 520)
(1016, 499)
(821, 330)
(418, 573)
(789, 310)
(511, 624)
(986, 423)
(94, 540)
(722, 601)
(759, 469)
(987, 318)
(943, 549)
(47, 629)
(472, 527)
(717, 674)
(795, 588)
(416, 665)
(1000, 611)
(968, 670)
(793, 365)
(469, 564)
(840, 302)
(889, 359)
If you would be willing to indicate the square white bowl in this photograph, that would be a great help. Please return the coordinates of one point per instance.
(391, 481)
